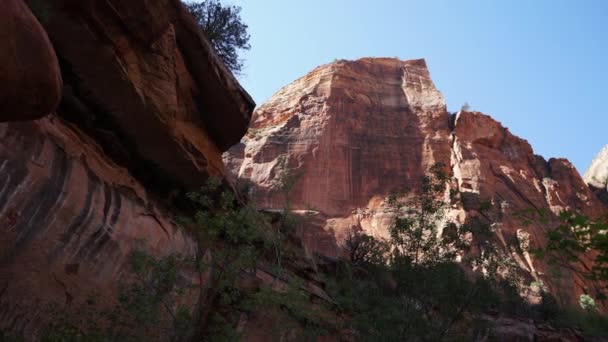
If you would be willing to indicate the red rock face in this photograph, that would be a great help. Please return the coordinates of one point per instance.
(354, 131)
(142, 80)
(492, 165)
(30, 81)
(147, 107)
(69, 218)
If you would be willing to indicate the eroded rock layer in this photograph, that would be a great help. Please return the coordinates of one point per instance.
(352, 132)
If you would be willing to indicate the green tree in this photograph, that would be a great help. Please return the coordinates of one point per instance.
(224, 28)
(578, 237)
(419, 234)
(409, 288)
(231, 237)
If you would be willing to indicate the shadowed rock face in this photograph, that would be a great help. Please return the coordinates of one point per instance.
(69, 217)
(147, 107)
(597, 175)
(30, 81)
(355, 131)
(142, 80)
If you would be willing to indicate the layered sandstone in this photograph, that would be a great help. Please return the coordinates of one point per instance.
(353, 132)
(146, 107)
(69, 217)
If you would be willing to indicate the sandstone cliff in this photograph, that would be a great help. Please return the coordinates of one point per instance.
(355, 131)
(145, 107)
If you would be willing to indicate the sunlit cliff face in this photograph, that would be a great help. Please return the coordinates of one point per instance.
(356, 131)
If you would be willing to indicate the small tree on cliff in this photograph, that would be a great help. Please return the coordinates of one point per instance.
(224, 28)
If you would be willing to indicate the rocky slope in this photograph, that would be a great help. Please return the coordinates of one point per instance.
(597, 175)
(355, 131)
(145, 107)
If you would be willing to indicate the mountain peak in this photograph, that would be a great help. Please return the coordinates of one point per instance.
(597, 173)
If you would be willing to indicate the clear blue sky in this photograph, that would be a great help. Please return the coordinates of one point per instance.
(539, 67)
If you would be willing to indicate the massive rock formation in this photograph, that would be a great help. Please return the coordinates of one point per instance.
(597, 175)
(147, 107)
(355, 131)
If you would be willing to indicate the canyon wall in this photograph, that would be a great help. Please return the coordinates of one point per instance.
(353, 132)
(130, 103)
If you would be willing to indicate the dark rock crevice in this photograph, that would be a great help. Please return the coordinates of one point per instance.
(96, 121)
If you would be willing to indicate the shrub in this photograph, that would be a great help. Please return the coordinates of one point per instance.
(587, 302)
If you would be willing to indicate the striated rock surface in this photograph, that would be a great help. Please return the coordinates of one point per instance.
(355, 131)
(352, 132)
(30, 81)
(146, 108)
(597, 175)
(69, 217)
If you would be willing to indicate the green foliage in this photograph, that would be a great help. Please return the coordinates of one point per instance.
(148, 306)
(590, 322)
(155, 302)
(224, 28)
(409, 302)
(365, 250)
(573, 238)
(231, 237)
(587, 302)
(10, 337)
(415, 234)
(79, 326)
(569, 247)
(410, 288)
(287, 179)
(297, 313)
